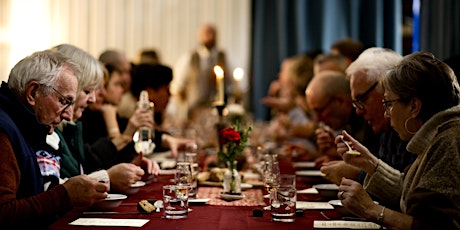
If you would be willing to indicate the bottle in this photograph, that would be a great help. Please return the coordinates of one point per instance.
(143, 138)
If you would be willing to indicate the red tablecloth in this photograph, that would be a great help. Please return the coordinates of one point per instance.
(202, 216)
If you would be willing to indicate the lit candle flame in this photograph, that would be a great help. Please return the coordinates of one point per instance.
(219, 72)
(238, 74)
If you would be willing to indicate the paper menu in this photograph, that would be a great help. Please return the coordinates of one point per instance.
(345, 224)
(109, 222)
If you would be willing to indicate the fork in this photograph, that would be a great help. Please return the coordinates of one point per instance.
(350, 150)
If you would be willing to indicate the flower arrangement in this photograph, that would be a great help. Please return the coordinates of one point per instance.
(233, 140)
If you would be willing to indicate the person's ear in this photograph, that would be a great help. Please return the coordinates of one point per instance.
(415, 105)
(31, 92)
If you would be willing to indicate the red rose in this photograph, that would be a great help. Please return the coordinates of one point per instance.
(229, 135)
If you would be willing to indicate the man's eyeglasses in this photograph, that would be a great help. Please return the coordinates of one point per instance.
(66, 102)
(360, 99)
(388, 104)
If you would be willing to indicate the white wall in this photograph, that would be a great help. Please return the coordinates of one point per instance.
(169, 26)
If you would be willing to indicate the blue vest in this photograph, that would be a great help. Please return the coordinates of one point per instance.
(26, 135)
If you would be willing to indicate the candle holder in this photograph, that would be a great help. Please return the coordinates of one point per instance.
(220, 106)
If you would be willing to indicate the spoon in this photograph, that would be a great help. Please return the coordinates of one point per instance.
(350, 150)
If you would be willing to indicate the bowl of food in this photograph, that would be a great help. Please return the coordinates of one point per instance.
(327, 191)
(111, 202)
(134, 188)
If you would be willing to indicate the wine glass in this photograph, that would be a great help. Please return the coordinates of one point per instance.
(271, 178)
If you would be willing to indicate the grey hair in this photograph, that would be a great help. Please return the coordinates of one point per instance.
(374, 62)
(45, 67)
(421, 75)
(92, 73)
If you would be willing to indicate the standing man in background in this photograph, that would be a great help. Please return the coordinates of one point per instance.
(194, 82)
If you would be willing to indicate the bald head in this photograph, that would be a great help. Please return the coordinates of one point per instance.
(207, 35)
(328, 83)
(328, 96)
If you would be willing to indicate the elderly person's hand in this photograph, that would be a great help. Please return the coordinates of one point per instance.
(123, 175)
(335, 170)
(175, 144)
(150, 167)
(325, 142)
(366, 160)
(84, 191)
(357, 200)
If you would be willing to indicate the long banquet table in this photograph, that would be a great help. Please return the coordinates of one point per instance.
(202, 216)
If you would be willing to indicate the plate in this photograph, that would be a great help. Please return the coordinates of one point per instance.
(134, 188)
(310, 173)
(199, 201)
(138, 184)
(246, 185)
(304, 164)
(326, 186)
(112, 201)
(116, 197)
(335, 202)
(225, 196)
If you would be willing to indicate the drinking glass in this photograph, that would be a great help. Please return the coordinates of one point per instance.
(271, 178)
(283, 203)
(175, 201)
(183, 174)
(192, 158)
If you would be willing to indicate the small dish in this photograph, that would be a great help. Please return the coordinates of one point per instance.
(135, 188)
(199, 201)
(337, 204)
(304, 164)
(229, 197)
(317, 173)
(111, 202)
(246, 186)
(327, 191)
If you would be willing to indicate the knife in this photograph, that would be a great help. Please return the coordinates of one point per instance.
(126, 213)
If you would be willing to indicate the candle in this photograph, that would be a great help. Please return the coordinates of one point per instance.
(237, 75)
(219, 84)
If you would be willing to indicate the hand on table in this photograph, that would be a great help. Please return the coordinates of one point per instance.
(356, 199)
(335, 170)
(84, 191)
(123, 175)
(150, 167)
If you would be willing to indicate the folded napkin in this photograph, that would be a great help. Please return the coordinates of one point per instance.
(345, 224)
(313, 205)
(109, 222)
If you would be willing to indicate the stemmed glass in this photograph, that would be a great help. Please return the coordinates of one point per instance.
(271, 178)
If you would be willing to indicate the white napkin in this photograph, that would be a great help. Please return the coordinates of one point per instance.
(109, 222)
(345, 224)
(312, 205)
(308, 191)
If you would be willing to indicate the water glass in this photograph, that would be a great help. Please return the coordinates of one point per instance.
(283, 203)
(175, 201)
(288, 180)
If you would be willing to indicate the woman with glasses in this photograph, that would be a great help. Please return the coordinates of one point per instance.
(421, 100)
